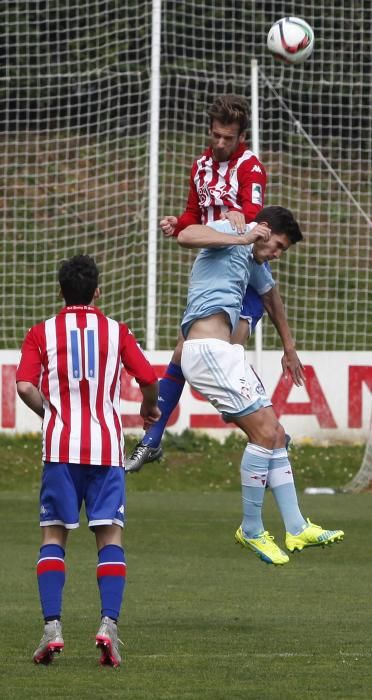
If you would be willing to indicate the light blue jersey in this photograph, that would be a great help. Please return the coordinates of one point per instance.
(219, 278)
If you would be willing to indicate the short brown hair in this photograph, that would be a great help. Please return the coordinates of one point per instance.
(228, 109)
(280, 220)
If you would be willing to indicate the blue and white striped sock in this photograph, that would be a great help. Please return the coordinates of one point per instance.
(253, 471)
(280, 481)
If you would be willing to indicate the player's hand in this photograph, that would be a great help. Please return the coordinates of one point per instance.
(150, 414)
(236, 219)
(292, 364)
(259, 232)
(168, 225)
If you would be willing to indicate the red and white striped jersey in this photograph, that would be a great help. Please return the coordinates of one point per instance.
(76, 359)
(217, 187)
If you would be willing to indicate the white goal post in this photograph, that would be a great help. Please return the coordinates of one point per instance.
(362, 480)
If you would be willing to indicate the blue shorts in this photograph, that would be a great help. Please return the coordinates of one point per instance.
(252, 308)
(64, 487)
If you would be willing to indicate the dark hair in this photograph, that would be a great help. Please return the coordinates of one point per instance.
(281, 220)
(78, 278)
(229, 109)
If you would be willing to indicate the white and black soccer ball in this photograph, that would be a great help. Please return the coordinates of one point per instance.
(291, 39)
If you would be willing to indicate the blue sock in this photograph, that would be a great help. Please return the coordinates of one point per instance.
(253, 472)
(111, 571)
(51, 580)
(170, 390)
(280, 481)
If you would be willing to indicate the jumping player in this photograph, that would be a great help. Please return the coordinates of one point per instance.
(216, 367)
(227, 181)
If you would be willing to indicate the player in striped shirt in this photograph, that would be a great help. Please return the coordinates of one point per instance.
(227, 181)
(70, 375)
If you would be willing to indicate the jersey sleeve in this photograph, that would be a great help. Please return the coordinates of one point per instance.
(261, 278)
(29, 368)
(252, 186)
(192, 213)
(134, 360)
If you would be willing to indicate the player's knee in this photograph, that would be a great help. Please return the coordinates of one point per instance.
(266, 435)
(108, 534)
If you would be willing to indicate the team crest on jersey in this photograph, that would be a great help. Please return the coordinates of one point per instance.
(218, 193)
(256, 193)
(204, 195)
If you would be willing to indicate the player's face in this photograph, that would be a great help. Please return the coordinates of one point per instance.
(272, 249)
(225, 140)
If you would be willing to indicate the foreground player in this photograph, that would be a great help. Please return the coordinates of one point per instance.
(227, 181)
(69, 375)
(217, 369)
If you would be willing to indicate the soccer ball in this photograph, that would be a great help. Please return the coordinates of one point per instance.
(291, 39)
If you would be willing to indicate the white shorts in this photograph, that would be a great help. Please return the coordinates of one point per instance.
(220, 373)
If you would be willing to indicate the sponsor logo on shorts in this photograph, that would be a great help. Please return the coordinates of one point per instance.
(121, 509)
(245, 389)
(43, 510)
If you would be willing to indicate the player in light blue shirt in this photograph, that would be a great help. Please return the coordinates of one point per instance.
(218, 370)
(218, 280)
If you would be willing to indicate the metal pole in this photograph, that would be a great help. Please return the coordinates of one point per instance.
(153, 176)
(255, 141)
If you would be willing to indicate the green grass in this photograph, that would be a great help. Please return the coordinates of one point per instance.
(191, 462)
(203, 619)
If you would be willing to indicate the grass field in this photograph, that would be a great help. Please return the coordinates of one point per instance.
(203, 619)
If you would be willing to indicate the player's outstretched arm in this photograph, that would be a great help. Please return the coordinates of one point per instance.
(31, 396)
(290, 361)
(199, 236)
